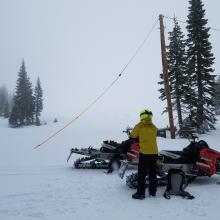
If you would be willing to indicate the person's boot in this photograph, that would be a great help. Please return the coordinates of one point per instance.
(152, 194)
(138, 196)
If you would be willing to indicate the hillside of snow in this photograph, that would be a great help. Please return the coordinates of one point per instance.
(40, 184)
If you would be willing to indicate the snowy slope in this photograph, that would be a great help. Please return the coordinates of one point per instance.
(39, 184)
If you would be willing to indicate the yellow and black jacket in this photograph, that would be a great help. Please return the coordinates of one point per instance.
(146, 131)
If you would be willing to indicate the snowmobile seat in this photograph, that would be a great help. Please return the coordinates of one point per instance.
(110, 147)
(180, 153)
(118, 148)
(188, 155)
(176, 157)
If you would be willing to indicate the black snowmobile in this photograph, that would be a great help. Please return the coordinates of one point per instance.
(111, 153)
(109, 156)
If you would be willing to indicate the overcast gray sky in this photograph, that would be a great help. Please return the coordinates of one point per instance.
(77, 48)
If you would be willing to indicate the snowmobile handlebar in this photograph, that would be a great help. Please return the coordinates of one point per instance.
(194, 137)
(128, 131)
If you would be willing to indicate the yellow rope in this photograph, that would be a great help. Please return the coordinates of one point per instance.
(84, 111)
(102, 94)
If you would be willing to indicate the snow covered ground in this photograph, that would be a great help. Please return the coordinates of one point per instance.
(39, 184)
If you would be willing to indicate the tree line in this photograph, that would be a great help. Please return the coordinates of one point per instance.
(195, 89)
(26, 104)
(5, 102)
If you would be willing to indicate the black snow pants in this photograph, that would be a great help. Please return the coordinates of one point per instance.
(147, 166)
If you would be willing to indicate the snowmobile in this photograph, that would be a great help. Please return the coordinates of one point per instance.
(111, 153)
(98, 159)
(197, 159)
(109, 156)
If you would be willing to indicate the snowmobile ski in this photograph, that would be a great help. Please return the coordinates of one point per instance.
(123, 167)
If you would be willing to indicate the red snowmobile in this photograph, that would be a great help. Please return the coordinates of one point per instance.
(197, 159)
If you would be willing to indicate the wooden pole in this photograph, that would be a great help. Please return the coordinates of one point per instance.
(166, 77)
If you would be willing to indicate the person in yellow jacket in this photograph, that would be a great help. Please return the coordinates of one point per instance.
(146, 131)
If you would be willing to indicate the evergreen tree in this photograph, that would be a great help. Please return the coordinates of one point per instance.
(177, 70)
(30, 100)
(13, 118)
(6, 110)
(38, 94)
(23, 103)
(199, 68)
(10, 102)
(3, 100)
